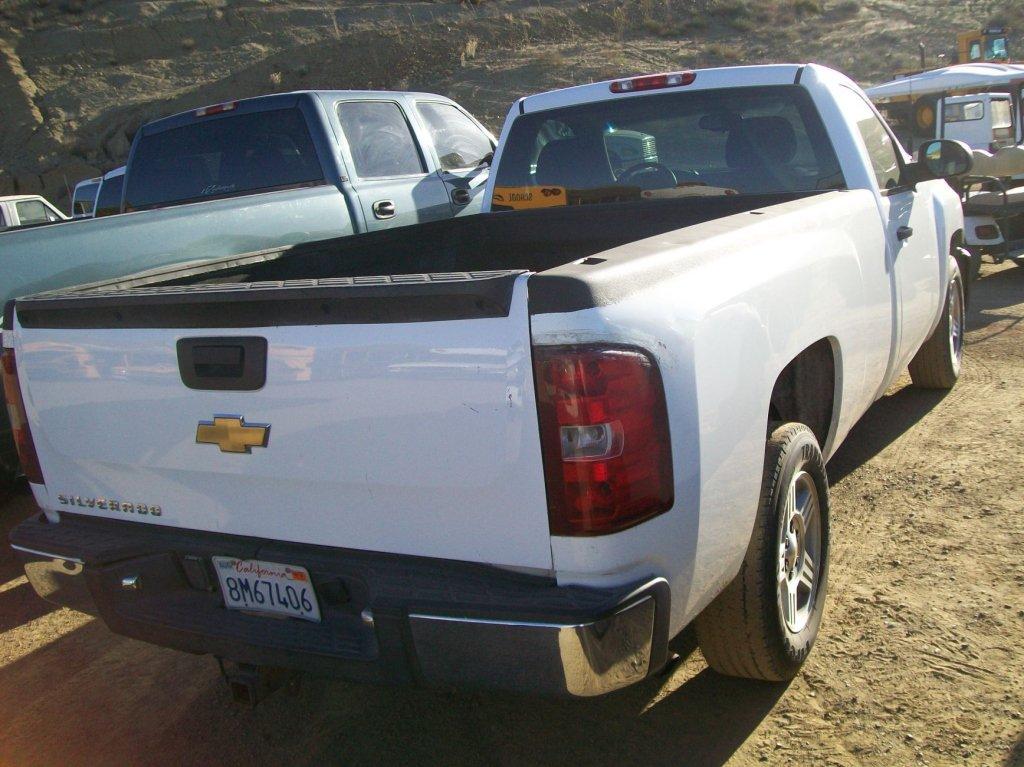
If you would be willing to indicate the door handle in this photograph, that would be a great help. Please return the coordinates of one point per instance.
(904, 232)
(461, 196)
(384, 209)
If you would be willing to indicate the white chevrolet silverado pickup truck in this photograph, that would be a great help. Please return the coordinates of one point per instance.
(545, 441)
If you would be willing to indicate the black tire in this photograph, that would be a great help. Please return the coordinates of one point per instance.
(937, 363)
(743, 632)
(970, 267)
(10, 469)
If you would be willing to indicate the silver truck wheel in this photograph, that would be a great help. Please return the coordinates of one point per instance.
(937, 363)
(799, 539)
(763, 625)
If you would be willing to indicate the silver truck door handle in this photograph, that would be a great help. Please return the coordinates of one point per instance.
(904, 232)
(384, 209)
(461, 196)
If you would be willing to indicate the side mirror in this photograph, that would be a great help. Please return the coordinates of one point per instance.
(941, 159)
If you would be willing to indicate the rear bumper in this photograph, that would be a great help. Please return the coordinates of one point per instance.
(386, 618)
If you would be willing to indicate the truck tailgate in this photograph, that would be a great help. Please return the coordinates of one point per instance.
(417, 436)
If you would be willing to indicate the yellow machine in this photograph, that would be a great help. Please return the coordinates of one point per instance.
(989, 44)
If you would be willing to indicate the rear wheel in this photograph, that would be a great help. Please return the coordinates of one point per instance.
(763, 625)
(937, 364)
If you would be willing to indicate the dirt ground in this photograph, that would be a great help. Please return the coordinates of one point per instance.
(920, 660)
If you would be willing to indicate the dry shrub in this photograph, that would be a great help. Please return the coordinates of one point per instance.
(846, 8)
(720, 53)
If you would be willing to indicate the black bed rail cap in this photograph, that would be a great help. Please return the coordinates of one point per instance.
(331, 301)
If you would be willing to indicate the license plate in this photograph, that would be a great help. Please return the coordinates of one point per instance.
(267, 587)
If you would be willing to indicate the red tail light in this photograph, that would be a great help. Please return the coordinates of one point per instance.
(19, 420)
(652, 82)
(604, 437)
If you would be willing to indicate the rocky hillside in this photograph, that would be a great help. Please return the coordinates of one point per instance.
(78, 77)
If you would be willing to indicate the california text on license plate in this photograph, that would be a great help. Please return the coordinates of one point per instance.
(267, 587)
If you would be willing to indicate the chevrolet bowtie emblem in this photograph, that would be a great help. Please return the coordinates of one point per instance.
(232, 435)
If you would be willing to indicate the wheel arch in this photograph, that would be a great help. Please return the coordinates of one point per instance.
(807, 390)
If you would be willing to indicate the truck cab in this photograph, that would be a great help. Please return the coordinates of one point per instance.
(989, 44)
(18, 211)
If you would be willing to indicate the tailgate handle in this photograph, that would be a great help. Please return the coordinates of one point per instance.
(223, 364)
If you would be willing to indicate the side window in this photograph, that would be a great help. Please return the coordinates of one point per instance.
(882, 152)
(32, 212)
(459, 142)
(975, 53)
(380, 139)
(963, 112)
(1001, 114)
(108, 201)
(3, 220)
(996, 48)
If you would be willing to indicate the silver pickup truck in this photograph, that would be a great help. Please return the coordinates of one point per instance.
(262, 173)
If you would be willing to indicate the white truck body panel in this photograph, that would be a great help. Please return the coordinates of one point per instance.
(742, 313)
(416, 438)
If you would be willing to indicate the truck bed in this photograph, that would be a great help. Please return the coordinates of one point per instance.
(449, 251)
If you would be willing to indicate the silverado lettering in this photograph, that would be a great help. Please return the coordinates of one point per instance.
(112, 505)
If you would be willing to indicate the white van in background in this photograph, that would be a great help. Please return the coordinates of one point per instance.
(980, 120)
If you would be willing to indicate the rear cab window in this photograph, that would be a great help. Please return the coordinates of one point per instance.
(380, 139)
(223, 156)
(963, 111)
(675, 144)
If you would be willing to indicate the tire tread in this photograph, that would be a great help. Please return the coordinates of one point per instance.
(931, 367)
(733, 631)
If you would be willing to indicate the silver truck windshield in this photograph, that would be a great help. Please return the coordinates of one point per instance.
(667, 145)
(222, 157)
